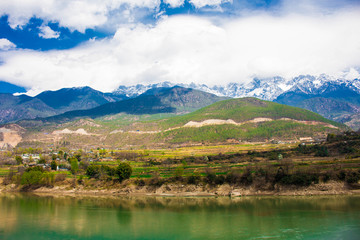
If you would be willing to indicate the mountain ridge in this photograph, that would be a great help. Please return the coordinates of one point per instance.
(162, 100)
(48, 103)
(262, 88)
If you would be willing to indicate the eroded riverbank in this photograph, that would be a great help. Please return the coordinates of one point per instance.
(178, 189)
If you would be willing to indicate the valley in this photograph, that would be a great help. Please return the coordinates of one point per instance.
(331, 167)
(180, 141)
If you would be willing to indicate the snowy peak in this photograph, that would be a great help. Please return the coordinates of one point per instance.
(262, 88)
(136, 90)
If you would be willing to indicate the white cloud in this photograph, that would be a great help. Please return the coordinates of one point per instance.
(83, 14)
(74, 14)
(203, 3)
(194, 49)
(47, 32)
(6, 44)
(174, 3)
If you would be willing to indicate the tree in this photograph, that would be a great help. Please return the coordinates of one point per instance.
(179, 172)
(322, 151)
(61, 153)
(74, 165)
(18, 159)
(53, 165)
(78, 157)
(42, 160)
(31, 178)
(124, 171)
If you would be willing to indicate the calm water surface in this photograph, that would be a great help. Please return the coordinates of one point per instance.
(32, 217)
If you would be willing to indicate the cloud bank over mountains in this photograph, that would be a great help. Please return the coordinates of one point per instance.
(182, 48)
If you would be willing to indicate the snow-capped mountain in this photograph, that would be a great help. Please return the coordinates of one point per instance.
(265, 89)
(136, 90)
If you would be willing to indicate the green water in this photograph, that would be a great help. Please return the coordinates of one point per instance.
(31, 217)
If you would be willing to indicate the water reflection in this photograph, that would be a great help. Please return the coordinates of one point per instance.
(35, 217)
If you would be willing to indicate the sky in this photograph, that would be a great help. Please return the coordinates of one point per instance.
(52, 44)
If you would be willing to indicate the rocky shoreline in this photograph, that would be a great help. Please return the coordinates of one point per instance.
(188, 190)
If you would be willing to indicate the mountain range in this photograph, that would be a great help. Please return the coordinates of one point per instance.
(161, 117)
(264, 88)
(48, 103)
(336, 99)
(177, 100)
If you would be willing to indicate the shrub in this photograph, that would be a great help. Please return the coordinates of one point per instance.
(273, 156)
(232, 178)
(210, 177)
(83, 165)
(220, 180)
(341, 175)
(331, 137)
(48, 178)
(140, 182)
(36, 168)
(81, 178)
(153, 162)
(9, 177)
(42, 160)
(246, 178)
(326, 177)
(32, 178)
(74, 165)
(110, 171)
(193, 179)
(298, 179)
(156, 181)
(179, 171)
(352, 177)
(53, 165)
(124, 171)
(321, 151)
(93, 171)
(305, 149)
(60, 177)
(18, 160)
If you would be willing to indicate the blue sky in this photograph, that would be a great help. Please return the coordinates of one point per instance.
(28, 35)
(50, 44)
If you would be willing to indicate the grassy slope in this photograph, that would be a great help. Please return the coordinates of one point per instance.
(248, 132)
(244, 109)
(241, 110)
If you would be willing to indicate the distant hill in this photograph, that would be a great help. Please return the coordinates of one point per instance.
(49, 103)
(13, 108)
(338, 102)
(160, 100)
(68, 99)
(247, 119)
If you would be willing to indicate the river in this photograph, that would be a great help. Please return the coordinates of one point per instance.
(80, 217)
